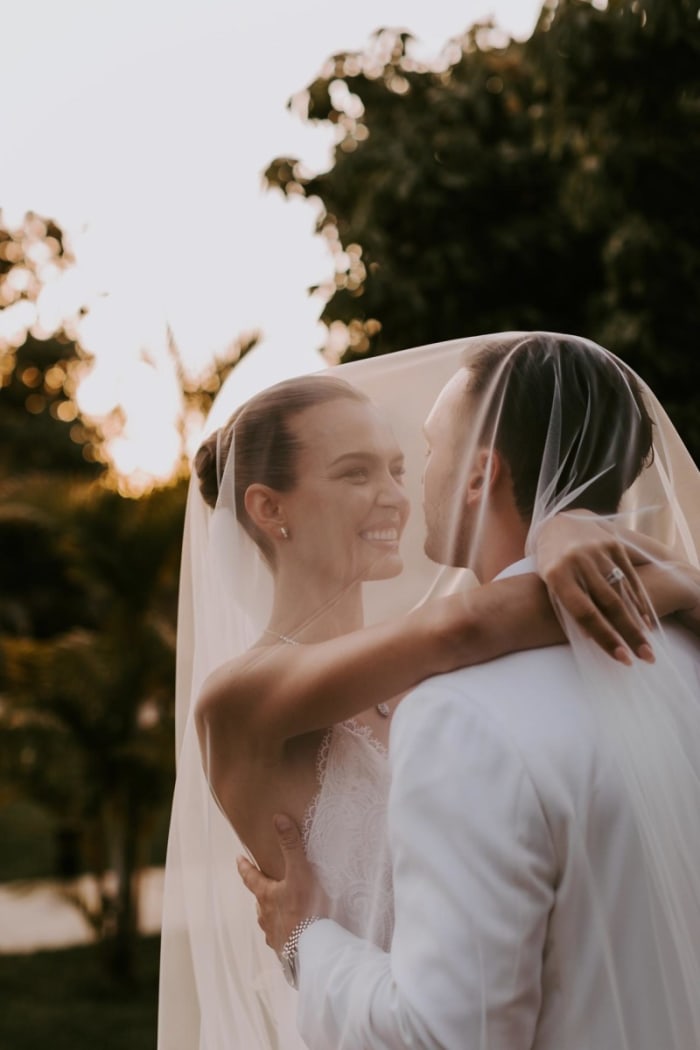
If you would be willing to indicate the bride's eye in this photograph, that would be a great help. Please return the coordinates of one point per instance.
(399, 472)
(356, 474)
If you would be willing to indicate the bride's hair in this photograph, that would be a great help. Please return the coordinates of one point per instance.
(602, 430)
(265, 447)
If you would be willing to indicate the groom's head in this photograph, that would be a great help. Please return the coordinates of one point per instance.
(530, 425)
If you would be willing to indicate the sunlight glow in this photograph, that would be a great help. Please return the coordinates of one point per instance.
(143, 131)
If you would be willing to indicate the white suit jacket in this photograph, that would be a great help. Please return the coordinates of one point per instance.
(498, 775)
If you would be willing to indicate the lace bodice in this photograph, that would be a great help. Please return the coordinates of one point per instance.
(345, 831)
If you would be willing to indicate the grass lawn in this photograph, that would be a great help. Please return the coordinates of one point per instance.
(63, 1001)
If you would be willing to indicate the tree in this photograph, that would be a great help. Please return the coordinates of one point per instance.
(39, 370)
(88, 600)
(41, 591)
(546, 184)
(198, 393)
(89, 731)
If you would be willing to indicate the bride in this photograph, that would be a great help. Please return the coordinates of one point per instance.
(310, 505)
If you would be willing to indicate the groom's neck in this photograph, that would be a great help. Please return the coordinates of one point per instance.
(504, 546)
(493, 568)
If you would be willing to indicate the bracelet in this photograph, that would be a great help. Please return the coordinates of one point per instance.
(288, 955)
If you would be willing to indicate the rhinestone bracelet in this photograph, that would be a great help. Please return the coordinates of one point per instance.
(288, 955)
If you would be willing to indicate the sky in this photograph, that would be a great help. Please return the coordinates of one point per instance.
(142, 127)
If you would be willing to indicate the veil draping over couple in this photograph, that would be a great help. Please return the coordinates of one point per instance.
(440, 609)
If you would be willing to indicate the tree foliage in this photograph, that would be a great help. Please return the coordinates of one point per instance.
(88, 585)
(88, 595)
(40, 424)
(90, 725)
(543, 184)
(198, 393)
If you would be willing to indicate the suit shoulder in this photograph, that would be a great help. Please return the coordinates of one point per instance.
(533, 701)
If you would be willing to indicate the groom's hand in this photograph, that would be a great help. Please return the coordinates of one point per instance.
(283, 904)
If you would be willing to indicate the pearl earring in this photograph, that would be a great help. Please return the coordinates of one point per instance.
(284, 532)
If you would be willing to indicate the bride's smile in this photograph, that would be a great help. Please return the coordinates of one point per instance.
(387, 536)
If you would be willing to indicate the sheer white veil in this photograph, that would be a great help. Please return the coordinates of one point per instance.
(220, 985)
(579, 431)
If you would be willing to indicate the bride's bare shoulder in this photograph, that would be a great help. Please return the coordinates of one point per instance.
(235, 692)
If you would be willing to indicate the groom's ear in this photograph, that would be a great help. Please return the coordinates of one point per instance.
(485, 475)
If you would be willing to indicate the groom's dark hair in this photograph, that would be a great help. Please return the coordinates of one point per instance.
(602, 430)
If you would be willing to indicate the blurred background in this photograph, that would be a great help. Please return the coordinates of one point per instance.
(199, 193)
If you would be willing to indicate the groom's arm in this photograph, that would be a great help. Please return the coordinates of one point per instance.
(474, 870)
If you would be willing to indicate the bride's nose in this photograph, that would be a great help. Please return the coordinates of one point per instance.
(392, 493)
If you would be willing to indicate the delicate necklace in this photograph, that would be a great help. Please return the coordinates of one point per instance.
(282, 637)
(382, 708)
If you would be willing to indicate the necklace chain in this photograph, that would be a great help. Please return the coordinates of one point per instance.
(382, 708)
(282, 637)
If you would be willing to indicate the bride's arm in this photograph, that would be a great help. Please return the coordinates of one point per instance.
(578, 545)
(273, 694)
(283, 691)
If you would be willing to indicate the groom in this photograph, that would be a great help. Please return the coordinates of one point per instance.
(521, 914)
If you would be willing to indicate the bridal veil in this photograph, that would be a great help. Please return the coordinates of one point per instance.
(221, 987)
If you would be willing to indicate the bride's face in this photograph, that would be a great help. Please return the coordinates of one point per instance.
(348, 509)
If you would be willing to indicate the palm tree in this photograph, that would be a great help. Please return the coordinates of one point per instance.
(93, 706)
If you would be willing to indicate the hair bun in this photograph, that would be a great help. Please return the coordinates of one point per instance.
(205, 466)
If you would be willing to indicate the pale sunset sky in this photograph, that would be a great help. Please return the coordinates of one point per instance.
(142, 127)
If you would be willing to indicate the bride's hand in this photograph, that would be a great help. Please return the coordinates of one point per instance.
(589, 572)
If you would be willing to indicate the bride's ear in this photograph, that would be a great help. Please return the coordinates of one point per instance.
(265, 509)
(486, 472)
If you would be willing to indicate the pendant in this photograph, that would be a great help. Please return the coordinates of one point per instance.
(383, 709)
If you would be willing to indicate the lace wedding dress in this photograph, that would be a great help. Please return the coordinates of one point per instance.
(344, 831)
